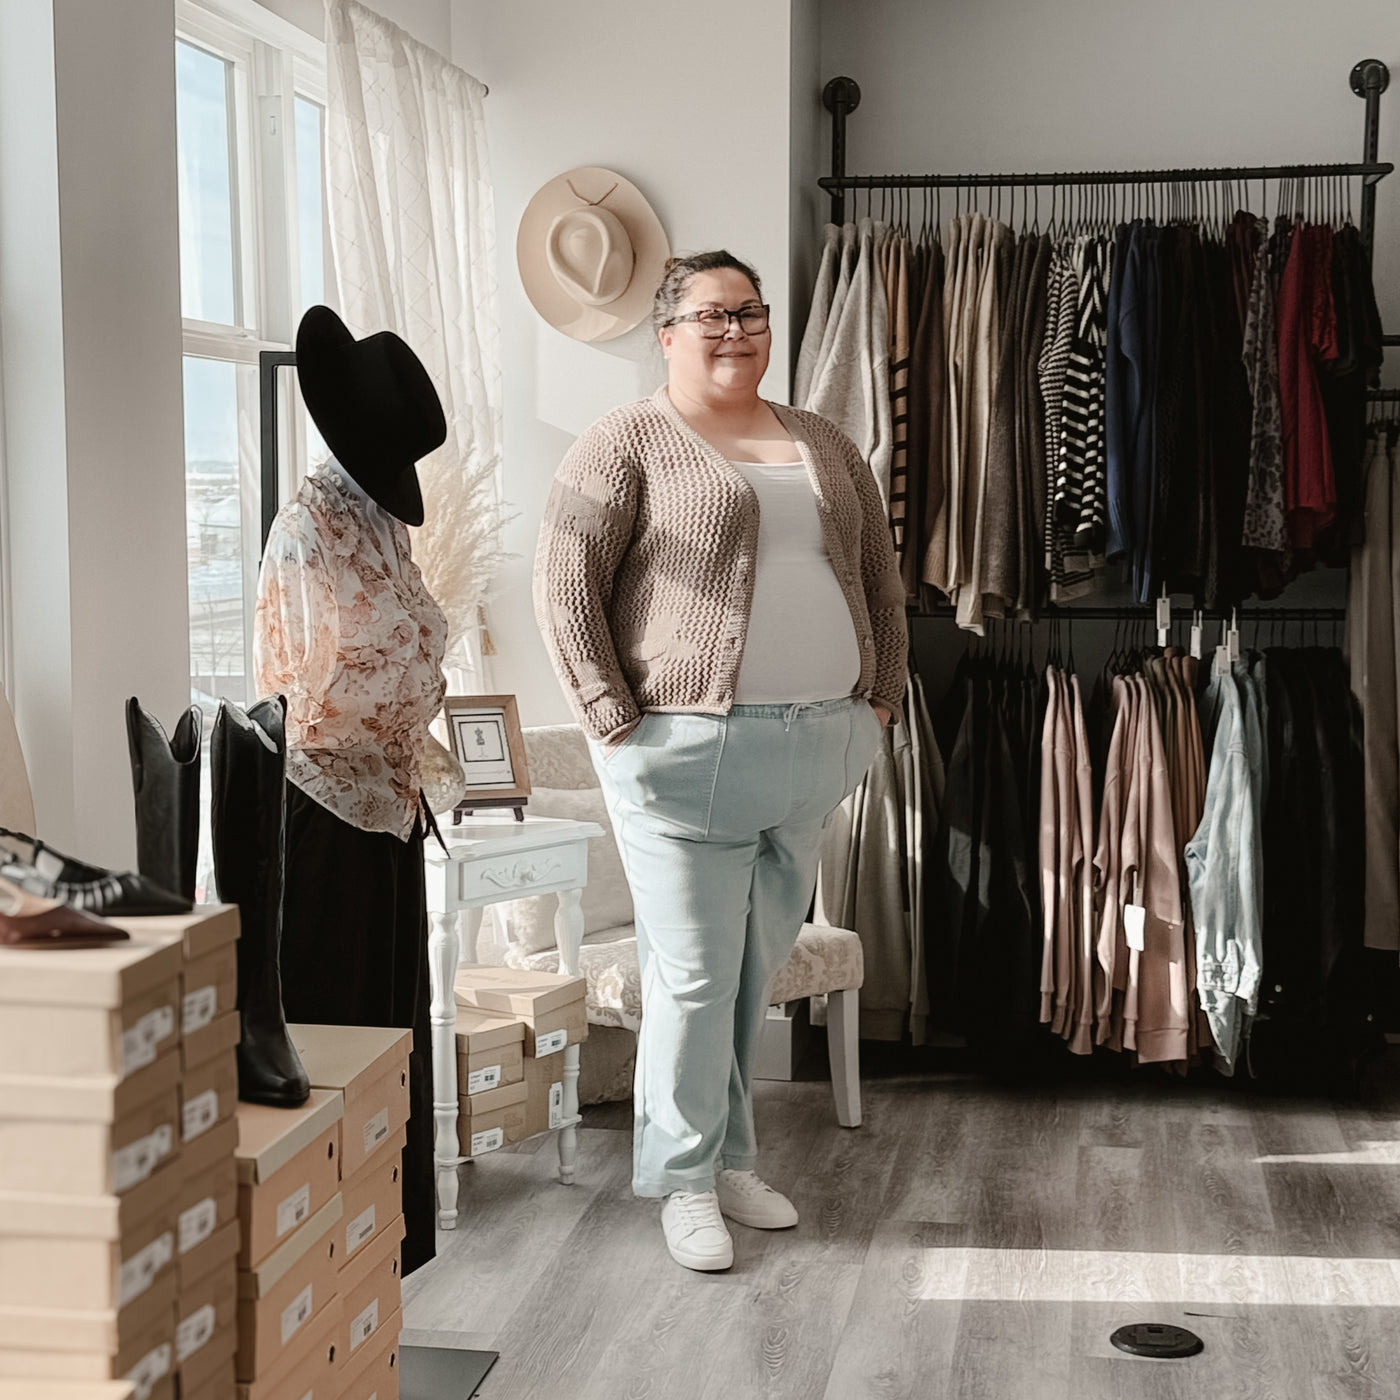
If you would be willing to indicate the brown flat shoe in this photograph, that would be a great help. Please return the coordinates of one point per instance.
(31, 921)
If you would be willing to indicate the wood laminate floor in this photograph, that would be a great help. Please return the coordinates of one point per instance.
(968, 1241)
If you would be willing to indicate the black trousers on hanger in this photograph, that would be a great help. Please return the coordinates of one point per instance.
(355, 953)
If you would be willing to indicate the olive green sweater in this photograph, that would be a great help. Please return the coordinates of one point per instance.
(645, 566)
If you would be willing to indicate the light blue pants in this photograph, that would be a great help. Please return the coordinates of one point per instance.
(719, 820)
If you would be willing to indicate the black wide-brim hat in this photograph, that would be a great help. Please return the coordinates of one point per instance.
(375, 406)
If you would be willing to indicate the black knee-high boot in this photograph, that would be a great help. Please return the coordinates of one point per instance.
(165, 778)
(248, 754)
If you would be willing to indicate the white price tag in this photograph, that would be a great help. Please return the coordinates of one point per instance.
(488, 1141)
(1196, 640)
(199, 1008)
(1232, 639)
(295, 1313)
(556, 1105)
(292, 1211)
(194, 1331)
(139, 1272)
(137, 1160)
(549, 1044)
(478, 1081)
(200, 1114)
(1135, 927)
(376, 1130)
(1222, 661)
(197, 1223)
(359, 1230)
(363, 1326)
(151, 1368)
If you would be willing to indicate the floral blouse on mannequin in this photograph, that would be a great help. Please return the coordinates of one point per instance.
(347, 632)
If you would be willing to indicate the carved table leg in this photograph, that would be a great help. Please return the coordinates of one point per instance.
(568, 935)
(444, 948)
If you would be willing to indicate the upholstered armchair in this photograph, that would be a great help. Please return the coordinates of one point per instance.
(826, 961)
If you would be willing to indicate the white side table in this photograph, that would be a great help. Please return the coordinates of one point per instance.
(489, 860)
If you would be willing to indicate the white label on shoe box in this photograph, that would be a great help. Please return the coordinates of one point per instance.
(194, 1331)
(363, 1326)
(141, 1043)
(488, 1141)
(295, 1313)
(199, 1008)
(139, 1272)
(295, 1209)
(479, 1081)
(137, 1160)
(197, 1223)
(201, 1113)
(152, 1367)
(359, 1230)
(549, 1044)
(556, 1105)
(376, 1130)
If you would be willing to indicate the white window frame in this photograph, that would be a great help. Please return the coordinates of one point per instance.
(274, 63)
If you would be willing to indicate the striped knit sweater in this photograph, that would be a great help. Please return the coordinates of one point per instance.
(645, 566)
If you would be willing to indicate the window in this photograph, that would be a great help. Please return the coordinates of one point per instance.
(250, 106)
(250, 118)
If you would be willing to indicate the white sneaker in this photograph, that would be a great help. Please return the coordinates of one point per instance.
(695, 1230)
(750, 1201)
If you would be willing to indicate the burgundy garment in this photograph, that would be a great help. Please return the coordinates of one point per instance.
(1307, 337)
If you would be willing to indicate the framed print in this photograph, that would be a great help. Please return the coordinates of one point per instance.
(484, 732)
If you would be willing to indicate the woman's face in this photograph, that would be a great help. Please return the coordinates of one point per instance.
(731, 362)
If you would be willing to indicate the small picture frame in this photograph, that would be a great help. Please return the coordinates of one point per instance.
(484, 732)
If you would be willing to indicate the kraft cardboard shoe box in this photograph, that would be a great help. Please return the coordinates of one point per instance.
(544, 1094)
(372, 1373)
(370, 1290)
(278, 1297)
(308, 1368)
(90, 1011)
(208, 1096)
(207, 1203)
(136, 1342)
(87, 1253)
(492, 1120)
(368, 1065)
(204, 940)
(490, 1050)
(219, 1386)
(288, 1169)
(550, 1005)
(206, 1328)
(95, 1135)
(66, 1390)
(373, 1198)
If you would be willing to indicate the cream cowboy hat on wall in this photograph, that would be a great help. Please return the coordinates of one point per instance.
(591, 253)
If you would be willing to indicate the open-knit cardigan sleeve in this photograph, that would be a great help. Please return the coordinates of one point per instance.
(587, 528)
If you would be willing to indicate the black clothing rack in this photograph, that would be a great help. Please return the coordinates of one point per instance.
(1068, 612)
(1368, 80)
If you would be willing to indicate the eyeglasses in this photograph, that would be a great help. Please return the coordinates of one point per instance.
(714, 323)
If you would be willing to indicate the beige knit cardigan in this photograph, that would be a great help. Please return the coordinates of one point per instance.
(645, 566)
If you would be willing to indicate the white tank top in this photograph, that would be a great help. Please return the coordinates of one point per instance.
(801, 641)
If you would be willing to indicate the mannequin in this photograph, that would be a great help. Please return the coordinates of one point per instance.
(347, 632)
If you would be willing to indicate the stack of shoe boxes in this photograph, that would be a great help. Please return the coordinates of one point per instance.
(368, 1068)
(90, 1166)
(289, 1250)
(491, 1092)
(206, 1235)
(551, 1008)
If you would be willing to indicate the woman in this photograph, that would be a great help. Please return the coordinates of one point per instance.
(716, 586)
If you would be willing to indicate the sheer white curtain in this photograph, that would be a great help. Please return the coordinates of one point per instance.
(413, 237)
